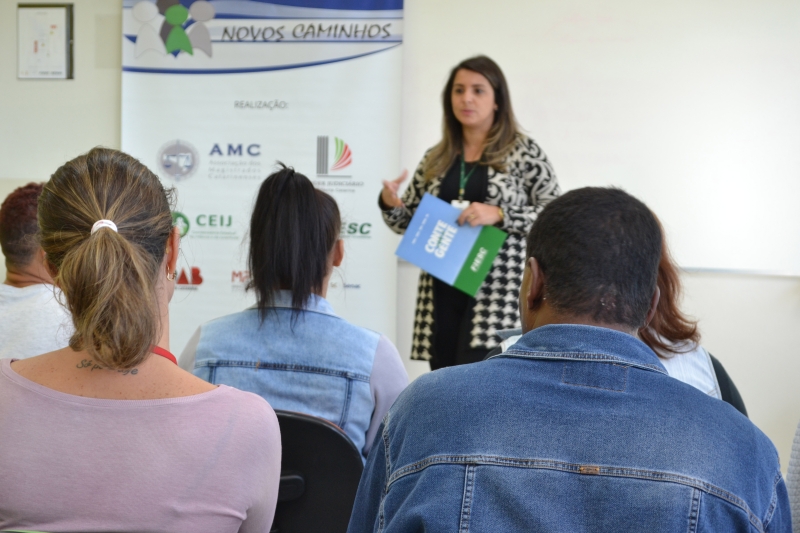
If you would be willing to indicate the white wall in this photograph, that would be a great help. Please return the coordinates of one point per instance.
(690, 105)
(749, 322)
(43, 123)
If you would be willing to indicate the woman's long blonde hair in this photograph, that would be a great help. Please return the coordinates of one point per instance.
(108, 278)
(501, 137)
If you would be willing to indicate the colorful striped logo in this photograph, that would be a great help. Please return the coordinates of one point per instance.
(342, 156)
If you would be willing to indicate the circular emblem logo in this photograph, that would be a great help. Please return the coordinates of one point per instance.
(178, 159)
(181, 222)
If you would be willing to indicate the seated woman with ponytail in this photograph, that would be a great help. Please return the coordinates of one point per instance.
(290, 347)
(109, 434)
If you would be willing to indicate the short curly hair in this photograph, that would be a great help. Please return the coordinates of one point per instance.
(18, 224)
(599, 250)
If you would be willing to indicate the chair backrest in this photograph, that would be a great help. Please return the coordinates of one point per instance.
(320, 472)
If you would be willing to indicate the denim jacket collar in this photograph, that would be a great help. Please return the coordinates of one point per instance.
(315, 303)
(585, 343)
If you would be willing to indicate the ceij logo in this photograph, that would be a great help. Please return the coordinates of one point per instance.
(181, 222)
(342, 156)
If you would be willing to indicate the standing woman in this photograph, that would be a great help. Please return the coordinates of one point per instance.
(499, 177)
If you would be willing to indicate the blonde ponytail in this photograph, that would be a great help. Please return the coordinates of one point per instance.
(108, 278)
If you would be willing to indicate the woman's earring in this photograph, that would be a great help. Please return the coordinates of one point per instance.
(172, 276)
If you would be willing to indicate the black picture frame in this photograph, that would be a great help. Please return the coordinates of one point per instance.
(69, 68)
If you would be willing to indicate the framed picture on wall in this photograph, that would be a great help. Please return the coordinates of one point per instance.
(44, 41)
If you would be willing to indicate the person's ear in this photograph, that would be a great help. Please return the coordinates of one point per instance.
(338, 253)
(653, 307)
(173, 249)
(535, 292)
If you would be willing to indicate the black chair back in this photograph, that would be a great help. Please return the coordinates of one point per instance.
(320, 471)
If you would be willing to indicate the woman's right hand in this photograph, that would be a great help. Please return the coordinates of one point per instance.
(389, 195)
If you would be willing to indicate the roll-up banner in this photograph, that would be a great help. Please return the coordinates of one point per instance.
(214, 93)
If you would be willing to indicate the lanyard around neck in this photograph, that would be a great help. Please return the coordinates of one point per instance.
(462, 182)
(158, 350)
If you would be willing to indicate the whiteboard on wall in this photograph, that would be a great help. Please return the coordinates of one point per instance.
(691, 105)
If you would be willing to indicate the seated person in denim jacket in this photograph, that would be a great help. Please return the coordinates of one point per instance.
(577, 427)
(291, 348)
(674, 337)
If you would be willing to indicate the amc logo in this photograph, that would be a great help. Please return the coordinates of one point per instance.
(253, 150)
(192, 278)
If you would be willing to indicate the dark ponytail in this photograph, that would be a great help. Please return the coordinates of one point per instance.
(293, 230)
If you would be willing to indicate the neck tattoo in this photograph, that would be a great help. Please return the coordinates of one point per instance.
(92, 366)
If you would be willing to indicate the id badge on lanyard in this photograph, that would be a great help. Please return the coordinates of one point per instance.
(462, 184)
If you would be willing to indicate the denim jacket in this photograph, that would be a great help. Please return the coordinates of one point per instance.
(572, 429)
(319, 364)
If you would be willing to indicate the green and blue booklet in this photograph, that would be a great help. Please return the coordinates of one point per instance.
(460, 256)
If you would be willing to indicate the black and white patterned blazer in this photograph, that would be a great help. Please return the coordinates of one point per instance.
(528, 184)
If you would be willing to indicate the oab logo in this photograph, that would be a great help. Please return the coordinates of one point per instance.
(189, 279)
(178, 159)
(181, 221)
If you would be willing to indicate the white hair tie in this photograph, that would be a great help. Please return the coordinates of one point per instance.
(104, 224)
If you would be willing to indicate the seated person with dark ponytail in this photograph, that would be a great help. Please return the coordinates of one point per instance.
(108, 434)
(290, 347)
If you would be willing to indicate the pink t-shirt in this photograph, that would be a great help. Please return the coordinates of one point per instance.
(209, 462)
